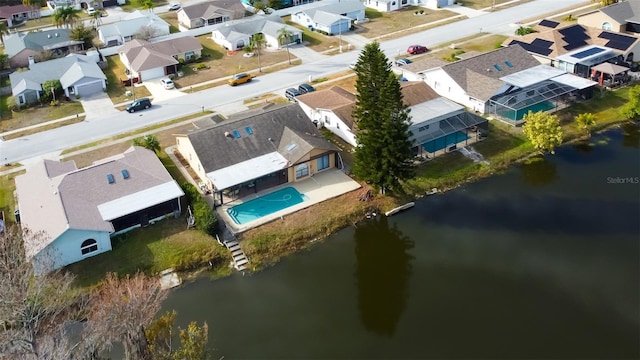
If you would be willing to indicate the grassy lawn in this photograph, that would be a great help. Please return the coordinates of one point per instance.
(483, 4)
(384, 24)
(165, 244)
(44, 128)
(115, 72)
(7, 187)
(35, 115)
(172, 18)
(221, 64)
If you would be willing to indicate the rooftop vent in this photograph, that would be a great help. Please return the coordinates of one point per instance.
(125, 173)
(227, 134)
(110, 178)
(48, 36)
(291, 147)
(57, 35)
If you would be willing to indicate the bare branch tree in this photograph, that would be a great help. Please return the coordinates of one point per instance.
(33, 308)
(146, 32)
(120, 310)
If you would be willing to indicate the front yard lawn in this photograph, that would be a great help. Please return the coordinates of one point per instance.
(35, 115)
(383, 24)
(115, 72)
(218, 63)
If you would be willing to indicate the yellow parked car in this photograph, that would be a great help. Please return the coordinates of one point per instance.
(240, 79)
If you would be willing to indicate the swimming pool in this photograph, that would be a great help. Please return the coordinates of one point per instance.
(445, 141)
(265, 205)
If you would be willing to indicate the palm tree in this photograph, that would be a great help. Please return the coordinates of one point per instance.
(257, 42)
(147, 5)
(96, 19)
(586, 122)
(65, 16)
(284, 37)
(3, 30)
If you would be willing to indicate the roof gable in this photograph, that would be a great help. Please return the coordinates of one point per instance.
(68, 70)
(143, 55)
(210, 9)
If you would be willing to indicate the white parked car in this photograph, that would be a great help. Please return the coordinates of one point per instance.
(174, 6)
(91, 10)
(167, 83)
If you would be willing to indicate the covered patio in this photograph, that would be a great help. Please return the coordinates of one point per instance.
(610, 75)
(457, 131)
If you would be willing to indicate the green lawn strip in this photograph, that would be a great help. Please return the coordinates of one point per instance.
(165, 244)
(141, 131)
(43, 128)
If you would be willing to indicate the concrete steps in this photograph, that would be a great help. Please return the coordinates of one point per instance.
(240, 260)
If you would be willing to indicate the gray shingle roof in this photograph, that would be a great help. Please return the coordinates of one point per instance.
(131, 24)
(479, 76)
(37, 41)
(281, 124)
(623, 11)
(210, 9)
(68, 70)
(56, 196)
(266, 24)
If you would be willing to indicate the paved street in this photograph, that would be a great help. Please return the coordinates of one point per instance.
(102, 126)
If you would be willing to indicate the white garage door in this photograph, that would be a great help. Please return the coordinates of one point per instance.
(89, 89)
(152, 74)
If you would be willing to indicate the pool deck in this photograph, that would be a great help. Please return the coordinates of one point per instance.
(317, 188)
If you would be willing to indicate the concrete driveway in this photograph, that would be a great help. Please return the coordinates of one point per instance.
(158, 91)
(97, 106)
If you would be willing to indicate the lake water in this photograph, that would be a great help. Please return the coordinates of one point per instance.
(540, 262)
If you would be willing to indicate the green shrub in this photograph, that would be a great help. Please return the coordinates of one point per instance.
(201, 66)
(205, 218)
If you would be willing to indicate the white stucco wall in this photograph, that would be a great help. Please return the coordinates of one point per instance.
(66, 249)
(439, 81)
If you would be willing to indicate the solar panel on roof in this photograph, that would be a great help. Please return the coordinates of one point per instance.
(588, 52)
(497, 67)
(542, 43)
(617, 41)
(508, 64)
(575, 37)
(549, 23)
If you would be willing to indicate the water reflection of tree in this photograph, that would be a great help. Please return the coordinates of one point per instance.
(539, 172)
(631, 135)
(382, 274)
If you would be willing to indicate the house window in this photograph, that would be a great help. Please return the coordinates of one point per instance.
(326, 120)
(240, 44)
(423, 128)
(302, 170)
(337, 125)
(21, 100)
(323, 162)
(607, 26)
(189, 55)
(88, 246)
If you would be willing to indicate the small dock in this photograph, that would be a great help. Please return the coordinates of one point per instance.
(399, 208)
(240, 261)
(169, 279)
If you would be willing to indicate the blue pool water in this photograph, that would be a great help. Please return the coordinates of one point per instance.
(445, 141)
(265, 205)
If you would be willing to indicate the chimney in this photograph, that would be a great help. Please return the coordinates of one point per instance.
(32, 60)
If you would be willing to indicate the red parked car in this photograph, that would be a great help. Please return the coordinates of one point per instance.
(417, 49)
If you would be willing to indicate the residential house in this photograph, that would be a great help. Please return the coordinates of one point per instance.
(257, 150)
(39, 45)
(507, 83)
(438, 125)
(146, 61)
(391, 5)
(415, 70)
(210, 13)
(138, 24)
(237, 34)
(78, 75)
(554, 39)
(79, 210)
(621, 17)
(335, 18)
(15, 15)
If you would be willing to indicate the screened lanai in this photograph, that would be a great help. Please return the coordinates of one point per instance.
(462, 128)
(546, 95)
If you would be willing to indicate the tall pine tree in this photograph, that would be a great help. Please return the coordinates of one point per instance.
(383, 156)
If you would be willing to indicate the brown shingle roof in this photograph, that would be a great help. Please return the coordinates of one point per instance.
(336, 99)
(424, 64)
(143, 55)
(416, 92)
(558, 44)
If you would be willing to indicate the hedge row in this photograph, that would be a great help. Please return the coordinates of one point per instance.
(206, 219)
